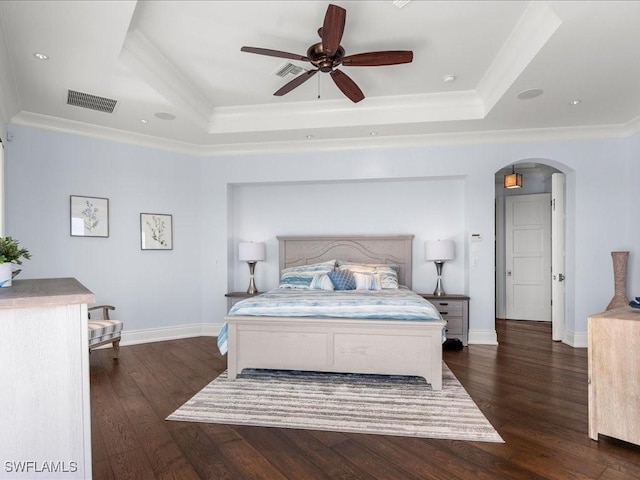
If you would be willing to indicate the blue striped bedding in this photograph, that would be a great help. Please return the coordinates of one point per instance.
(391, 304)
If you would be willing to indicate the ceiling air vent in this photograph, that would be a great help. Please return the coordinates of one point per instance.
(288, 68)
(93, 102)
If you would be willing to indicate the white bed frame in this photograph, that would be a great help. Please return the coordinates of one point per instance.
(387, 347)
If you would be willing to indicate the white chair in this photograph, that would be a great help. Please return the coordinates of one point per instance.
(104, 330)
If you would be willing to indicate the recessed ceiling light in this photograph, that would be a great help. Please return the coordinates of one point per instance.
(144, 120)
(449, 78)
(309, 137)
(373, 134)
(531, 93)
(41, 56)
(165, 116)
(575, 102)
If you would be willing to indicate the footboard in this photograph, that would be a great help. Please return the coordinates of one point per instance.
(386, 347)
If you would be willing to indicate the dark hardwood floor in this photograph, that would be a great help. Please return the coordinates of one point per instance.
(533, 390)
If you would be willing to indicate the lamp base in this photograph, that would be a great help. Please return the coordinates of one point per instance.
(439, 291)
(252, 290)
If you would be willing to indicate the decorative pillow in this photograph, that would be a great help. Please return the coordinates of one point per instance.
(388, 276)
(388, 271)
(367, 281)
(301, 277)
(321, 281)
(342, 280)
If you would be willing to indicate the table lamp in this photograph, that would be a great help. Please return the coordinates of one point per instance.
(252, 253)
(439, 251)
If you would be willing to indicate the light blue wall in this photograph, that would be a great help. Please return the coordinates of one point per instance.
(210, 199)
(151, 289)
(596, 224)
(429, 209)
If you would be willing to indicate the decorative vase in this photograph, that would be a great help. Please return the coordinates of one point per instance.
(5, 274)
(620, 280)
(15, 270)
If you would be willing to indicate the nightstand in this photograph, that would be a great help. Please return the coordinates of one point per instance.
(455, 310)
(235, 297)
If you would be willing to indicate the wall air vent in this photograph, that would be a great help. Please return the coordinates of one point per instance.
(288, 68)
(93, 102)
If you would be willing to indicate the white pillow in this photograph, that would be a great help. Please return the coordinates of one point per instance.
(300, 277)
(367, 281)
(321, 281)
(388, 272)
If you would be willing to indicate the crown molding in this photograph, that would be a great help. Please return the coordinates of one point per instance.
(599, 132)
(435, 139)
(630, 128)
(73, 127)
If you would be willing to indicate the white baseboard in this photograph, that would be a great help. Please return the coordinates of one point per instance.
(483, 337)
(134, 337)
(489, 337)
(576, 339)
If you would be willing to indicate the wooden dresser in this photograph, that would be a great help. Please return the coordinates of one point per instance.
(45, 417)
(455, 310)
(614, 374)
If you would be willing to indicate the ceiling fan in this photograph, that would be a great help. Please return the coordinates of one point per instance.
(328, 54)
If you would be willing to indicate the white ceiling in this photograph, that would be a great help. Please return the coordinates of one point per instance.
(184, 58)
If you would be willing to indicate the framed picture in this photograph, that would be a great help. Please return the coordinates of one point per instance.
(156, 231)
(89, 216)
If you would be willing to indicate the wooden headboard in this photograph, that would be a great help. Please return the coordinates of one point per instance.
(296, 251)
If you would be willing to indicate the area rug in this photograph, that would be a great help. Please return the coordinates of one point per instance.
(372, 404)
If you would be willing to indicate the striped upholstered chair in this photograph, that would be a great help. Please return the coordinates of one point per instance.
(104, 330)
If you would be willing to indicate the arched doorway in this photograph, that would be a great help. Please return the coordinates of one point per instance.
(525, 247)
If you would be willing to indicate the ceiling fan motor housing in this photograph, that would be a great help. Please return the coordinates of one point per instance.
(319, 58)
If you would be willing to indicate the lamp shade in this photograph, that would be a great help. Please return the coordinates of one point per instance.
(436, 250)
(251, 251)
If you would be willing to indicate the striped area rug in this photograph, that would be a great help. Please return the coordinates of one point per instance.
(373, 404)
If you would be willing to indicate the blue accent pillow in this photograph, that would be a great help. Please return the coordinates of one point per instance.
(342, 280)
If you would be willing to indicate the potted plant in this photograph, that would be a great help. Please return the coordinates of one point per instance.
(11, 255)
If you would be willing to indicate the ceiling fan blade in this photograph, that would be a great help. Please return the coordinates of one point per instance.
(274, 53)
(332, 29)
(296, 82)
(347, 86)
(375, 59)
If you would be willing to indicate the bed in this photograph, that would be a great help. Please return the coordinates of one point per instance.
(325, 343)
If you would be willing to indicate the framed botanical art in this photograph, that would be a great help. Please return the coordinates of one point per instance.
(89, 216)
(156, 231)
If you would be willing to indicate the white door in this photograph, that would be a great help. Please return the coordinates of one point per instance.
(557, 255)
(528, 257)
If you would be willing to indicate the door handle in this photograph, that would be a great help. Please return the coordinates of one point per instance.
(561, 277)
(508, 273)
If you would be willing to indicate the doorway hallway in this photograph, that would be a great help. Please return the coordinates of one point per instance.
(523, 280)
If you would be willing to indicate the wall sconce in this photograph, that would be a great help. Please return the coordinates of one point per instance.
(252, 253)
(513, 179)
(439, 251)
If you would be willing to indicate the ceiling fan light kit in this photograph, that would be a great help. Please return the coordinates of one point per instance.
(327, 55)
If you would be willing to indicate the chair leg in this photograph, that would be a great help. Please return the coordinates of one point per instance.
(116, 348)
